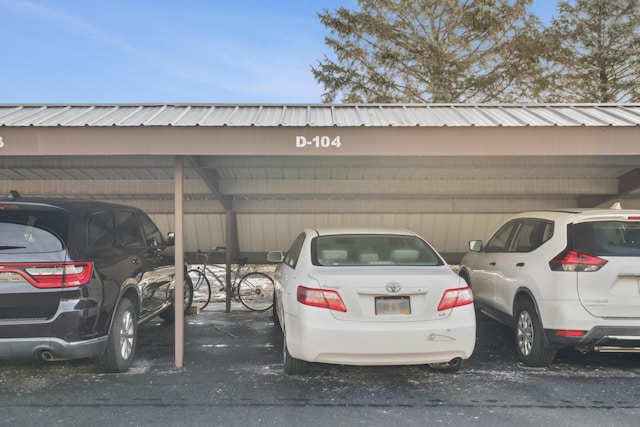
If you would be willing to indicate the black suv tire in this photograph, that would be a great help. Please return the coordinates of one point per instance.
(121, 342)
(170, 313)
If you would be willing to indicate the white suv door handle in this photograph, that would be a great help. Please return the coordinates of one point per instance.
(520, 264)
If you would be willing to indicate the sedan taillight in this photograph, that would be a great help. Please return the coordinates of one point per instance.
(321, 298)
(59, 275)
(572, 260)
(455, 298)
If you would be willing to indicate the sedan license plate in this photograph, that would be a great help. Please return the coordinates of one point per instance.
(393, 305)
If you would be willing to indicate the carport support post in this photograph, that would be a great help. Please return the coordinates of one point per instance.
(231, 245)
(178, 303)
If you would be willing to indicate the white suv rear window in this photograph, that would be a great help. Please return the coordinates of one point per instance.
(608, 238)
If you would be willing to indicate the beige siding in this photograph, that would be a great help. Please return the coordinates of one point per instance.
(448, 233)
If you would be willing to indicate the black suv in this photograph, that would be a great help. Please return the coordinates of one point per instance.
(78, 277)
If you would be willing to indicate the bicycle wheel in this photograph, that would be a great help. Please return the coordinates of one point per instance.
(255, 291)
(201, 288)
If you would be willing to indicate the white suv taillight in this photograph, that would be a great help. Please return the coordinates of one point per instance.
(572, 260)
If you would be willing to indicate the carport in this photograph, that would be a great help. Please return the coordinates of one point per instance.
(248, 177)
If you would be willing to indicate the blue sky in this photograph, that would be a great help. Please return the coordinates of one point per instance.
(160, 51)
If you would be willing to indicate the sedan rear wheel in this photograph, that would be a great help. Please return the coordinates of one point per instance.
(529, 338)
(293, 366)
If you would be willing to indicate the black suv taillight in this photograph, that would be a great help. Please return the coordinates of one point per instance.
(50, 275)
(572, 260)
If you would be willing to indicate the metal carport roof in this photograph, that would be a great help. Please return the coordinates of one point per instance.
(254, 175)
(431, 167)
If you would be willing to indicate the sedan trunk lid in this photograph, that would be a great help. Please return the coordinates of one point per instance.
(388, 293)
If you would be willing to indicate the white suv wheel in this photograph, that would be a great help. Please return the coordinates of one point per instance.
(525, 333)
(530, 336)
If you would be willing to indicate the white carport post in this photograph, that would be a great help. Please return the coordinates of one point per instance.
(179, 259)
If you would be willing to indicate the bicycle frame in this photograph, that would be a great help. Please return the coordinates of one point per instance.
(251, 288)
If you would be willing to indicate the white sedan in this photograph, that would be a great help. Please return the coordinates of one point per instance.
(370, 297)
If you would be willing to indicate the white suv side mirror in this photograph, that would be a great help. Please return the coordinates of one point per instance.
(475, 245)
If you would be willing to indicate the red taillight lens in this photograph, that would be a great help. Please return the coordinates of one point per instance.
(455, 298)
(570, 333)
(63, 275)
(571, 260)
(321, 298)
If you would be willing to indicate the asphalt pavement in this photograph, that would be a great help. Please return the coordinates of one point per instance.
(232, 376)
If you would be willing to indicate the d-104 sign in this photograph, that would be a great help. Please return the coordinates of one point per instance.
(318, 141)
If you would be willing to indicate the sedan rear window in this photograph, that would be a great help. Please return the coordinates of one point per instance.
(359, 250)
(608, 238)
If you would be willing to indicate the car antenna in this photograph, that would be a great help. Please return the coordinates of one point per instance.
(13, 194)
(616, 206)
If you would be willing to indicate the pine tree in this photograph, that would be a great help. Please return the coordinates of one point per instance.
(432, 51)
(593, 51)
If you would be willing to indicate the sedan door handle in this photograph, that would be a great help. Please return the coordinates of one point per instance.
(492, 264)
(520, 264)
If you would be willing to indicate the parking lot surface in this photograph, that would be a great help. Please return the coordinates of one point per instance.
(232, 375)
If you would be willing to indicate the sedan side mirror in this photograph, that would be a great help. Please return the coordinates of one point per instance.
(475, 245)
(275, 256)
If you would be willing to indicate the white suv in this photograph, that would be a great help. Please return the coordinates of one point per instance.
(561, 279)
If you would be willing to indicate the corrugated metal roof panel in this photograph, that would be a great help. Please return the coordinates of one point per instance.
(91, 117)
(268, 117)
(139, 116)
(7, 112)
(527, 116)
(218, 116)
(244, 116)
(630, 112)
(22, 116)
(191, 116)
(584, 116)
(381, 115)
(317, 116)
(550, 117)
(303, 116)
(619, 119)
(115, 116)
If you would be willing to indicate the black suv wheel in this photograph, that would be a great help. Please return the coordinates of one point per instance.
(121, 344)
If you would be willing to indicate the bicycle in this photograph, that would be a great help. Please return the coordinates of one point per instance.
(253, 289)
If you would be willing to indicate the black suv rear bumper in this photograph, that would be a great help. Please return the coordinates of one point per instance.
(50, 348)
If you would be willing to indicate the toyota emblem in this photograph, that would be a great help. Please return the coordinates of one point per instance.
(393, 287)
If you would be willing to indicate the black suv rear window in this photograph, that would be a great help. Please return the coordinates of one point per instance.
(29, 231)
(608, 238)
